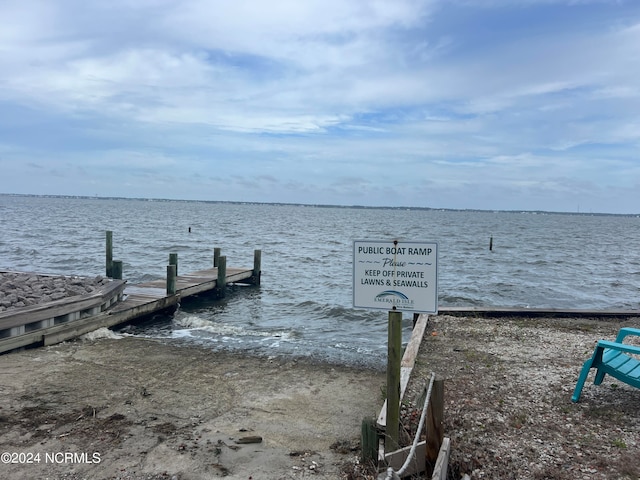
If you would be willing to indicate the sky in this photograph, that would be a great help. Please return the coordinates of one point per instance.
(470, 104)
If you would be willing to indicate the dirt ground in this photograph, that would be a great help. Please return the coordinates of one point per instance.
(134, 408)
(508, 411)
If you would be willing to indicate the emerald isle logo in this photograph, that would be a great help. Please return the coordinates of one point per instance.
(393, 297)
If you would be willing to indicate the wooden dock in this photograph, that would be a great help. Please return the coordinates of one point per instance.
(114, 304)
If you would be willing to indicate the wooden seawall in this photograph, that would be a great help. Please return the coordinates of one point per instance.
(116, 303)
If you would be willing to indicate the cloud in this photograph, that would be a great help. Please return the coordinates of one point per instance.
(325, 101)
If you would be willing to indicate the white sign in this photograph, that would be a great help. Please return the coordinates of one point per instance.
(398, 275)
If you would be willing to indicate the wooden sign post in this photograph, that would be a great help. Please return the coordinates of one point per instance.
(401, 276)
(394, 357)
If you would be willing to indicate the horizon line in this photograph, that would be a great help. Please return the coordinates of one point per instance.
(320, 205)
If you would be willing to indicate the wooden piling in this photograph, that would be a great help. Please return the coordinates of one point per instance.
(109, 254)
(116, 269)
(173, 260)
(171, 279)
(216, 256)
(394, 355)
(257, 266)
(490, 244)
(221, 282)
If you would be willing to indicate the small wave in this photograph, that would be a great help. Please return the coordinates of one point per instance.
(312, 309)
(27, 252)
(103, 332)
(458, 300)
(143, 278)
(193, 322)
(174, 248)
(305, 304)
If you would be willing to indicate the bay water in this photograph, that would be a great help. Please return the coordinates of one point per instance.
(304, 305)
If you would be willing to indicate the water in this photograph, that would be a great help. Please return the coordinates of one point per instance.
(303, 306)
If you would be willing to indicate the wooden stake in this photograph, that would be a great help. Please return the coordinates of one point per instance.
(368, 440)
(434, 424)
(394, 349)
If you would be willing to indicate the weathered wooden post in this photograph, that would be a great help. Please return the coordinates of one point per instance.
(171, 279)
(116, 269)
(490, 244)
(434, 424)
(109, 253)
(216, 256)
(394, 355)
(221, 282)
(368, 441)
(173, 260)
(257, 261)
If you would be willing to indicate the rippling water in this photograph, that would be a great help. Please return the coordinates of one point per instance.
(303, 306)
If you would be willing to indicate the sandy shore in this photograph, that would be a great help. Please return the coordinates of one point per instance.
(134, 408)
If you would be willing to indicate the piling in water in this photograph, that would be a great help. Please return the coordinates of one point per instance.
(109, 253)
(221, 281)
(257, 261)
(116, 269)
(173, 260)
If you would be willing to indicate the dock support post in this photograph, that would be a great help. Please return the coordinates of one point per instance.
(171, 279)
(221, 282)
(109, 253)
(257, 261)
(216, 256)
(116, 269)
(394, 349)
(173, 260)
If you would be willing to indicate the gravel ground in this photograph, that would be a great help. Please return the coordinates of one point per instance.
(508, 409)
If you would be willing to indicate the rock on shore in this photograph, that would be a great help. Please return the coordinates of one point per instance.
(26, 289)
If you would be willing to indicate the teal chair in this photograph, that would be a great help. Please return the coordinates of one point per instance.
(612, 358)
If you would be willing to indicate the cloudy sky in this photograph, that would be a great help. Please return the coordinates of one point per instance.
(491, 104)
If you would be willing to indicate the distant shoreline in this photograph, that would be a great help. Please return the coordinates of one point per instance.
(319, 205)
